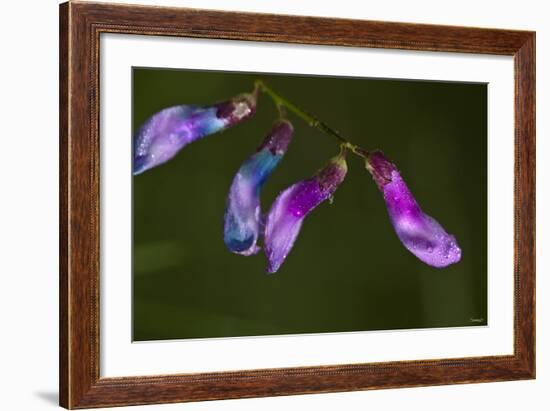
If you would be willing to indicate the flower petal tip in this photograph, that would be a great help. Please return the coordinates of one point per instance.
(271, 269)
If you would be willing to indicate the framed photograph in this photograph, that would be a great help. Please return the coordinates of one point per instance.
(258, 205)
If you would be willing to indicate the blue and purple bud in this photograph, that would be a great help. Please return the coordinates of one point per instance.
(420, 234)
(165, 133)
(289, 209)
(242, 222)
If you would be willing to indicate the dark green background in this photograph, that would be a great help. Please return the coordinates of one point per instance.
(347, 270)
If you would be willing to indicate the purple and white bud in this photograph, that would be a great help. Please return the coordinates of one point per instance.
(420, 234)
(242, 221)
(289, 209)
(165, 133)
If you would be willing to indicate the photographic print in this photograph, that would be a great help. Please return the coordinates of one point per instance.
(274, 204)
(354, 198)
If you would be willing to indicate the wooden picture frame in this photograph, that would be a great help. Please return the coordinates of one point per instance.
(80, 27)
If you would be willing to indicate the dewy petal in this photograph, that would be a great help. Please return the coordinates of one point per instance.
(165, 133)
(289, 209)
(420, 234)
(242, 222)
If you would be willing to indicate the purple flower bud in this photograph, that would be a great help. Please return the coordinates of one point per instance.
(165, 133)
(419, 233)
(242, 215)
(293, 204)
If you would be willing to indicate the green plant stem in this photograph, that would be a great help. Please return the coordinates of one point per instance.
(313, 121)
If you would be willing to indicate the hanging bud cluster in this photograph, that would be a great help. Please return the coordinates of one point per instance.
(165, 133)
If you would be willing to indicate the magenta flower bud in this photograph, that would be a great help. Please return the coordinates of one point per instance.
(165, 133)
(289, 209)
(243, 213)
(420, 234)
